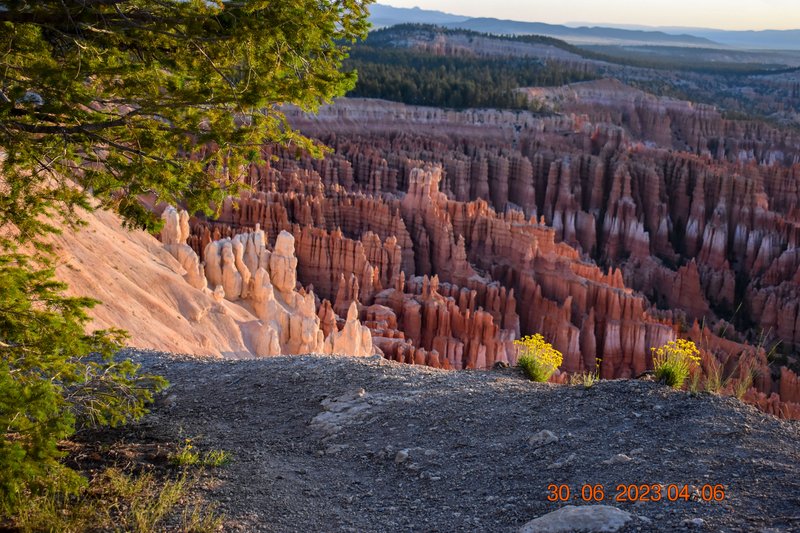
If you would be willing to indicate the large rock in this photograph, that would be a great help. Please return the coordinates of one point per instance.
(573, 519)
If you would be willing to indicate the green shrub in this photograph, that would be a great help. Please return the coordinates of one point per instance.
(54, 378)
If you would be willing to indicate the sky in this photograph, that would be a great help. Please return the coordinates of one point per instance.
(722, 14)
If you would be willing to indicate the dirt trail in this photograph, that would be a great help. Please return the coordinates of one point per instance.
(362, 445)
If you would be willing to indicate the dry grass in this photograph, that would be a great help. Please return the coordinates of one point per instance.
(587, 379)
(116, 501)
(132, 486)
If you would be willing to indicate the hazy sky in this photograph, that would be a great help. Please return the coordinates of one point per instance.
(724, 14)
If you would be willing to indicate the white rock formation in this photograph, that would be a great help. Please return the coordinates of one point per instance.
(174, 235)
(158, 291)
(354, 339)
(232, 263)
(243, 269)
(283, 264)
(176, 226)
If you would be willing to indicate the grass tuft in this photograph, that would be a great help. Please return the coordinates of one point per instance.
(587, 379)
(200, 518)
(189, 455)
(744, 384)
(216, 458)
(695, 381)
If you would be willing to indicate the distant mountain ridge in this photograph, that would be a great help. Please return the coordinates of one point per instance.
(763, 39)
(753, 39)
(611, 34)
(582, 35)
(382, 16)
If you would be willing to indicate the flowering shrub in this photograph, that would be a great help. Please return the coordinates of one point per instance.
(538, 359)
(673, 361)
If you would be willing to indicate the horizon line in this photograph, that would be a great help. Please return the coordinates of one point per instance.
(589, 24)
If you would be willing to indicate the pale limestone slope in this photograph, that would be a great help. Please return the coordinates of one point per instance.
(142, 290)
(224, 308)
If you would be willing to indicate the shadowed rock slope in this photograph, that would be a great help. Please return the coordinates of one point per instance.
(365, 444)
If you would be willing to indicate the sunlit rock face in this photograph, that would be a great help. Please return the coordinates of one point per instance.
(242, 269)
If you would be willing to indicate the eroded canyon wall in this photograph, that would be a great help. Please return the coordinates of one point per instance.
(439, 237)
(611, 234)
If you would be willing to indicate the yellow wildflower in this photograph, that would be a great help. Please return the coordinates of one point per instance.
(538, 358)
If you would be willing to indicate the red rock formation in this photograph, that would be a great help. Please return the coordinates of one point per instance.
(608, 230)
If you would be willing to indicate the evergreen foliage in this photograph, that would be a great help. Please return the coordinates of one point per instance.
(422, 78)
(54, 378)
(392, 71)
(101, 102)
(141, 88)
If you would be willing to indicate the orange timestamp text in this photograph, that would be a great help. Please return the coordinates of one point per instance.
(626, 492)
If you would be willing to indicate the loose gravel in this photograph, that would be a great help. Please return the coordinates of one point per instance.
(327, 444)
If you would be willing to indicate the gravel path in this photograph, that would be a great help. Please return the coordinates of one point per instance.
(344, 444)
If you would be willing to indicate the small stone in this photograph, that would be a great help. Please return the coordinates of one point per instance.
(401, 456)
(336, 448)
(594, 518)
(618, 459)
(563, 463)
(693, 522)
(543, 438)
